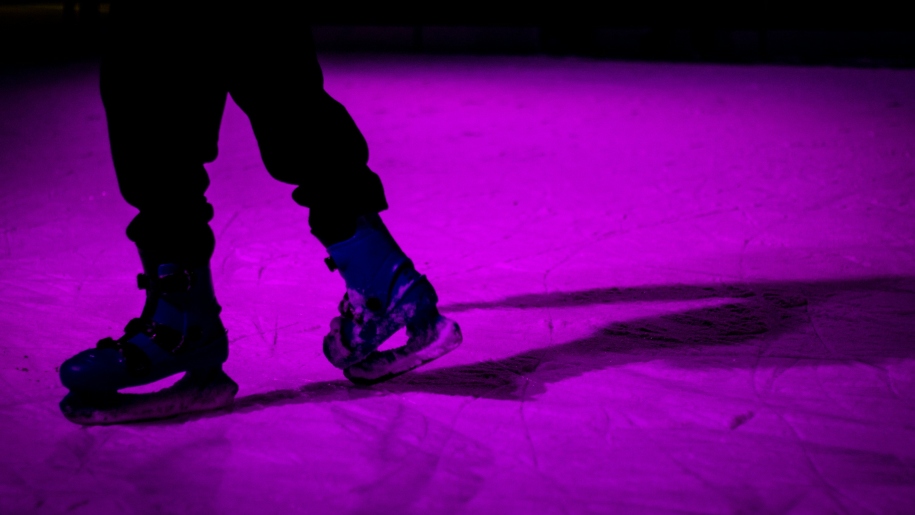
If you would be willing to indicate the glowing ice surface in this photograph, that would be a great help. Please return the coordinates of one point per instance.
(682, 288)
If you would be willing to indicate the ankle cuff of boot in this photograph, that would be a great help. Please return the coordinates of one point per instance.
(369, 260)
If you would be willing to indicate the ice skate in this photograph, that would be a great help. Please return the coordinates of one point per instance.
(198, 390)
(436, 337)
(384, 294)
(178, 331)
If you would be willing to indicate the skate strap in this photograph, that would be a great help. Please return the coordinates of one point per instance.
(138, 363)
(168, 339)
(177, 282)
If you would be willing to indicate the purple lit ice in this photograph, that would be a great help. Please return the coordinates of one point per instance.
(682, 288)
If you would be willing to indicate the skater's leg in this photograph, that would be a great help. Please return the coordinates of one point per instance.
(163, 97)
(306, 138)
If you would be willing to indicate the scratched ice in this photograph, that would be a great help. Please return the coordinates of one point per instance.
(682, 288)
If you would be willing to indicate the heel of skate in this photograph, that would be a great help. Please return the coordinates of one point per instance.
(199, 390)
(423, 345)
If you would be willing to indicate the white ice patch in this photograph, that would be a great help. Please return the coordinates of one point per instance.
(398, 339)
(154, 386)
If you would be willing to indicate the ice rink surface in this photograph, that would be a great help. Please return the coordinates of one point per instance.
(683, 288)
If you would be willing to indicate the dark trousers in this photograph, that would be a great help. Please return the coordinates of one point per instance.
(165, 76)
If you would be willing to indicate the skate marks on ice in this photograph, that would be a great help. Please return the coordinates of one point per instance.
(160, 471)
(758, 324)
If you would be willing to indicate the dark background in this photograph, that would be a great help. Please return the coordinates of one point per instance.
(862, 34)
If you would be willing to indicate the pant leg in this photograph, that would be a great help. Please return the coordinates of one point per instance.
(306, 138)
(164, 96)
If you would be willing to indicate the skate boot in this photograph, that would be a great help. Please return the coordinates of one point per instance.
(384, 293)
(178, 331)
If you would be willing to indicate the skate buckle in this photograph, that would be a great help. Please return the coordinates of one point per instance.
(171, 340)
(179, 281)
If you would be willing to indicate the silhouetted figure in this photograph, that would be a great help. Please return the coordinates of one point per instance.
(164, 81)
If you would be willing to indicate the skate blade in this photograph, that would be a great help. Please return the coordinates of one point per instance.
(195, 392)
(382, 366)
